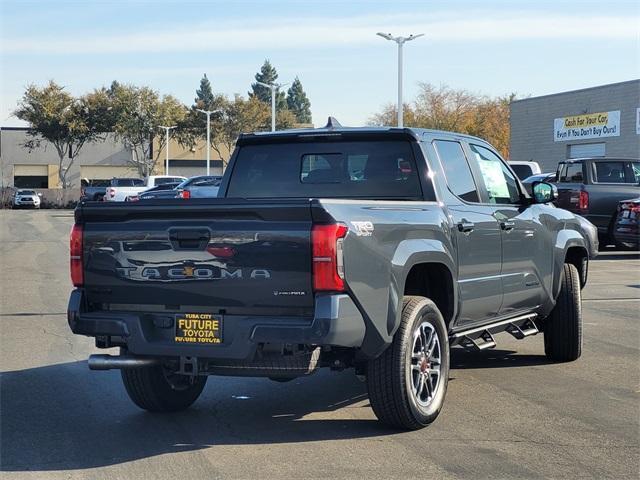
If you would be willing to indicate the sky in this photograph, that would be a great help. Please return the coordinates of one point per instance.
(492, 47)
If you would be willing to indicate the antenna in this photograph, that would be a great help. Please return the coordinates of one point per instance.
(332, 123)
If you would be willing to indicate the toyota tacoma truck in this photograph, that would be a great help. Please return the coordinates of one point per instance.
(376, 249)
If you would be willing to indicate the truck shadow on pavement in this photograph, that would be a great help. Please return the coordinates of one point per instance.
(64, 417)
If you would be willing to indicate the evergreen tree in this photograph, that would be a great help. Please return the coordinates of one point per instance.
(268, 75)
(204, 95)
(298, 103)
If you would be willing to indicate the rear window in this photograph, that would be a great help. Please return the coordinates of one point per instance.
(128, 182)
(572, 173)
(522, 171)
(162, 181)
(364, 169)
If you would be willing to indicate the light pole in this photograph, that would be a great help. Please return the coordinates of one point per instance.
(208, 114)
(166, 162)
(400, 41)
(274, 88)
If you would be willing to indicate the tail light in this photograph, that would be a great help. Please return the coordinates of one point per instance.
(75, 255)
(111, 192)
(184, 194)
(328, 263)
(583, 201)
(631, 206)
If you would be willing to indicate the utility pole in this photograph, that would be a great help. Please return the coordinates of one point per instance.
(166, 161)
(274, 87)
(400, 41)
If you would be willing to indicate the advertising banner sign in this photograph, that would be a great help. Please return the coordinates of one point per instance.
(586, 126)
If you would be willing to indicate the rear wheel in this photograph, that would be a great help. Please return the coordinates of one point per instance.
(408, 382)
(563, 327)
(158, 390)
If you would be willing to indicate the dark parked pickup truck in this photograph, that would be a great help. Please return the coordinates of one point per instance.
(375, 249)
(593, 188)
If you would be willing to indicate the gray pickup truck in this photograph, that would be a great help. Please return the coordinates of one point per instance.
(375, 249)
(594, 187)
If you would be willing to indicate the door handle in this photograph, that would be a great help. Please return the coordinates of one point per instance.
(189, 239)
(466, 227)
(507, 226)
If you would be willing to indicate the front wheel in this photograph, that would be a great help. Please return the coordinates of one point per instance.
(563, 327)
(408, 382)
(158, 390)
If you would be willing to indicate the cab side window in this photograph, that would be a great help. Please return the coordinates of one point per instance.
(457, 170)
(501, 185)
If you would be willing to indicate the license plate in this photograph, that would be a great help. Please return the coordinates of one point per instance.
(198, 328)
(626, 214)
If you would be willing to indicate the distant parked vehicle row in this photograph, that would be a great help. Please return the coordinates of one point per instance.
(594, 188)
(121, 188)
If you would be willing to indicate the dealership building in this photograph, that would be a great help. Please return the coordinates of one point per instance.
(21, 167)
(601, 121)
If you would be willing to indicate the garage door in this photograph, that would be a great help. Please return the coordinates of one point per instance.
(30, 176)
(587, 150)
(106, 172)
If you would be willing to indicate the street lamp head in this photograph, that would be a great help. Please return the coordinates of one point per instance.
(386, 36)
(413, 37)
(265, 84)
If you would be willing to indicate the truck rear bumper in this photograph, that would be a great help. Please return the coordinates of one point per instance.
(337, 322)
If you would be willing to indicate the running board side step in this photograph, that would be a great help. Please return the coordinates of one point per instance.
(481, 338)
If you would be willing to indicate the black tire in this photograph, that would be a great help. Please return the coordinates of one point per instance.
(563, 327)
(390, 377)
(150, 389)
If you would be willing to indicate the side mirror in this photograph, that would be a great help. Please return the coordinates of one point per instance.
(39, 194)
(544, 192)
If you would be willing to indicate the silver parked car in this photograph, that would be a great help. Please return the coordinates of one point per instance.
(203, 186)
(26, 199)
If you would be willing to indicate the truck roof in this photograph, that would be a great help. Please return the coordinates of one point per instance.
(598, 159)
(339, 130)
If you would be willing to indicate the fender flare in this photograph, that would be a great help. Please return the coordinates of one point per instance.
(565, 240)
(408, 254)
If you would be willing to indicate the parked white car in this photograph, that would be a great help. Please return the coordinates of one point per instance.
(122, 188)
(525, 169)
(26, 199)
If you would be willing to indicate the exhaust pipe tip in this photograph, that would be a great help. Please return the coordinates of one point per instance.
(111, 362)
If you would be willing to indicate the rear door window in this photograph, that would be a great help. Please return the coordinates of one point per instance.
(456, 170)
(350, 169)
(609, 172)
(572, 173)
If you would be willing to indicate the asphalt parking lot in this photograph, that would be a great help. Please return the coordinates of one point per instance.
(508, 414)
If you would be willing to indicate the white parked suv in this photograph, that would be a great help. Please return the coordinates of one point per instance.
(525, 169)
(122, 188)
(26, 199)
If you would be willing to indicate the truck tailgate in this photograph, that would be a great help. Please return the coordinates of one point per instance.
(230, 256)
